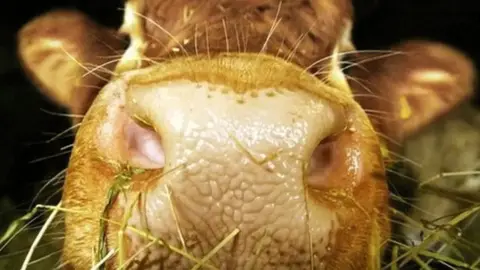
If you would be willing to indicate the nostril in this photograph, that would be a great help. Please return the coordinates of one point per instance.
(322, 156)
(144, 146)
(338, 161)
(322, 162)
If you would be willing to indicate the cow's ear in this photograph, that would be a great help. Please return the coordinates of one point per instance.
(406, 89)
(69, 57)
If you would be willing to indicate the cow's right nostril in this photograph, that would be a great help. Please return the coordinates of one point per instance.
(144, 146)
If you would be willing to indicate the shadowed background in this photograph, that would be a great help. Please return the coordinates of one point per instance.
(27, 157)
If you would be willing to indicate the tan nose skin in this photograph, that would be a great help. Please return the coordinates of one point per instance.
(236, 161)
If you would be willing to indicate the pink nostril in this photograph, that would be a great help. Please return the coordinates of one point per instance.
(144, 147)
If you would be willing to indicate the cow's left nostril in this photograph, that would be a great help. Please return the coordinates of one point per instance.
(144, 146)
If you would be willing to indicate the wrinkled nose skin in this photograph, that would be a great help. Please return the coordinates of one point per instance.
(236, 161)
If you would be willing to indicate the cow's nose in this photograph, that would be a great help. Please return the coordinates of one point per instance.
(236, 143)
(227, 96)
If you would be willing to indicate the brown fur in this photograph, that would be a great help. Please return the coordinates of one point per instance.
(307, 31)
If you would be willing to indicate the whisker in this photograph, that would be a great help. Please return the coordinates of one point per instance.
(275, 24)
(55, 253)
(164, 46)
(344, 54)
(226, 35)
(20, 251)
(371, 59)
(108, 45)
(207, 40)
(83, 66)
(380, 117)
(110, 57)
(62, 114)
(68, 146)
(358, 81)
(373, 96)
(237, 37)
(51, 180)
(401, 175)
(279, 51)
(102, 67)
(195, 35)
(388, 139)
(172, 37)
(62, 133)
(297, 43)
(406, 159)
(49, 157)
(245, 39)
(377, 112)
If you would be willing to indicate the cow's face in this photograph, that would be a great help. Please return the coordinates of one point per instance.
(226, 136)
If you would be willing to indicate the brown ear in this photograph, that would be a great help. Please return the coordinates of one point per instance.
(69, 57)
(407, 89)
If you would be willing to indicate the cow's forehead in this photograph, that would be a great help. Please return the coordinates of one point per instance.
(302, 32)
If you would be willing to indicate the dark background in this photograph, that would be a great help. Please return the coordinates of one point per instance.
(25, 126)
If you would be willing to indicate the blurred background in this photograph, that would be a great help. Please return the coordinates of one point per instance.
(28, 158)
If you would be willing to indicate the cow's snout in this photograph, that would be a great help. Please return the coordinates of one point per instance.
(242, 147)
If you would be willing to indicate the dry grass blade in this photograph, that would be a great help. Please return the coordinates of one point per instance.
(174, 213)
(422, 264)
(450, 174)
(39, 236)
(216, 249)
(121, 232)
(400, 246)
(395, 257)
(138, 232)
(477, 262)
(101, 263)
(13, 228)
(119, 185)
(125, 264)
(413, 253)
(446, 259)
